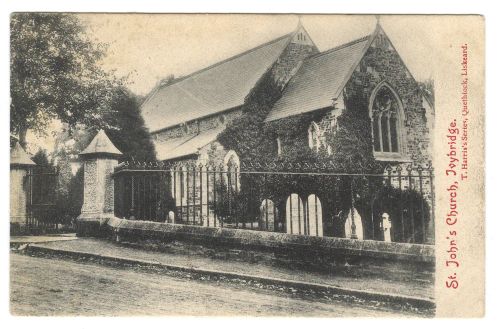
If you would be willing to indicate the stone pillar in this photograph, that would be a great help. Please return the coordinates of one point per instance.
(99, 160)
(20, 166)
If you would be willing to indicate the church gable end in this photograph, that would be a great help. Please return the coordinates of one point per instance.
(382, 70)
(300, 47)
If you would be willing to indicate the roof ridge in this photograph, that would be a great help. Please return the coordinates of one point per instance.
(160, 86)
(344, 45)
(228, 59)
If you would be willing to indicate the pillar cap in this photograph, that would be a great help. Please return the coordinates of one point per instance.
(19, 157)
(101, 145)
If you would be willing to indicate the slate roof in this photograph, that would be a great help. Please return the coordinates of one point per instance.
(101, 144)
(319, 80)
(186, 145)
(214, 89)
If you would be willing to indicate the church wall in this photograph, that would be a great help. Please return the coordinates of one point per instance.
(197, 125)
(382, 63)
(290, 60)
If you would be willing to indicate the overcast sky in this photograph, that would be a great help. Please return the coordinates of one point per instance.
(150, 47)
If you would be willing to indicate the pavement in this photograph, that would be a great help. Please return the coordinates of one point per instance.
(413, 289)
(16, 240)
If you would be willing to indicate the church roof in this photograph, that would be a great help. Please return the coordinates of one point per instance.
(320, 79)
(101, 144)
(214, 89)
(186, 145)
(19, 157)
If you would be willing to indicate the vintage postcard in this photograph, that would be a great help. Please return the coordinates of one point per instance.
(246, 165)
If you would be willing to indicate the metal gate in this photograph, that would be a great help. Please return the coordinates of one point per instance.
(41, 210)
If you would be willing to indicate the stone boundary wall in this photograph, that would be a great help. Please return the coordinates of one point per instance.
(328, 249)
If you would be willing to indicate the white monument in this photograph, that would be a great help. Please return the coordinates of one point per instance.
(386, 227)
(357, 222)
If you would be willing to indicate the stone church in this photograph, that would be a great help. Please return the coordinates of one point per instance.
(186, 115)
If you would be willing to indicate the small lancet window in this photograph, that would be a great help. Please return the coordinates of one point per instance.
(278, 146)
(314, 136)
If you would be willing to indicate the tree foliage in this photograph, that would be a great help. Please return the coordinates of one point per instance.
(75, 195)
(41, 158)
(123, 124)
(409, 211)
(245, 135)
(55, 73)
(127, 129)
(352, 146)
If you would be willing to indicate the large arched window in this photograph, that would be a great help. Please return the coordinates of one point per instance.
(387, 122)
(314, 136)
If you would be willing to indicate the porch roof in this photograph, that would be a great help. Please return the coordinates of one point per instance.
(184, 146)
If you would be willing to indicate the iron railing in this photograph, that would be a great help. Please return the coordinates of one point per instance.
(299, 198)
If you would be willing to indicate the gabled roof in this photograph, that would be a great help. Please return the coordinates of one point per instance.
(101, 144)
(320, 79)
(214, 89)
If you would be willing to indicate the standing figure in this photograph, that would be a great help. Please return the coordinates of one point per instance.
(386, 227)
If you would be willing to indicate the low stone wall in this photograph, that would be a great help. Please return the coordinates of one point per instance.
(325, 250)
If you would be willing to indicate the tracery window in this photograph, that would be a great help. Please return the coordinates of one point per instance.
(386, 114)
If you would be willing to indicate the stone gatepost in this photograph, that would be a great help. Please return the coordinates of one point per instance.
(99, 160)
(20, 165)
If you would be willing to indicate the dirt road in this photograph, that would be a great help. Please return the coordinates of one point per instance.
(60, 287)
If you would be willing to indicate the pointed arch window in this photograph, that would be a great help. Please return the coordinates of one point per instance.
(387, 122)
(314, 136)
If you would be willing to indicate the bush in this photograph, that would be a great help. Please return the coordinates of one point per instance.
(402, 206)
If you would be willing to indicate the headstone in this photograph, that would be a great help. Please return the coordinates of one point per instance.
(386, 227)
(357, 222)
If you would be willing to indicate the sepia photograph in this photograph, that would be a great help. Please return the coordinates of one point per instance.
(291, 165)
